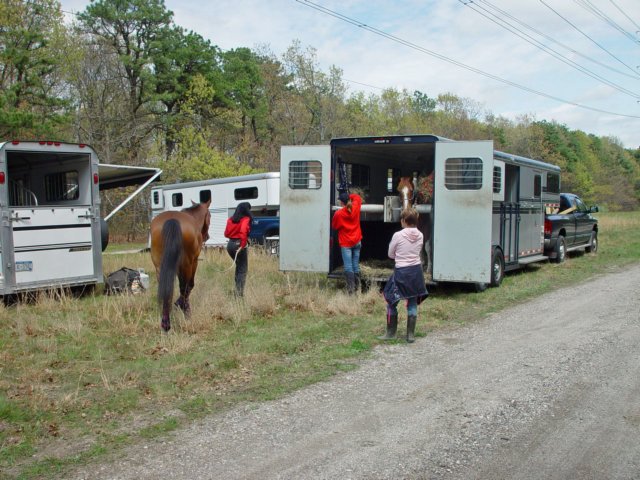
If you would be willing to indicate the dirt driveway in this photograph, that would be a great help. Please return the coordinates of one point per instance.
(549, 389)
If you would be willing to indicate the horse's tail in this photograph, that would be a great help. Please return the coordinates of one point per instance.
(172, 250)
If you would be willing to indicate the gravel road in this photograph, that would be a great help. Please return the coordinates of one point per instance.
(549, 389)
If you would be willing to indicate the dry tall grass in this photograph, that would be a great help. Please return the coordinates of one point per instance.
(268, 293)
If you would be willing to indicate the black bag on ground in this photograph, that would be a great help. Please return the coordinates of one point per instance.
(125, 280)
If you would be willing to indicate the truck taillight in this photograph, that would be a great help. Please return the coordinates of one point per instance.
(547, 227)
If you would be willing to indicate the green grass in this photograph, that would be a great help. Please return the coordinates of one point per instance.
(83, 377)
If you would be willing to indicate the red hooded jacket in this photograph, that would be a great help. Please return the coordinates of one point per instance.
(348, 224)
(238, 230)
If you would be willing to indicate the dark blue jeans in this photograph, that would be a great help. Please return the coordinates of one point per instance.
(242, 264)
(351, 258)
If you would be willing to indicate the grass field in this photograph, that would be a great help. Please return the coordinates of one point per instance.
(83, 377)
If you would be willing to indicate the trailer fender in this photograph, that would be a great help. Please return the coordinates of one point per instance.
(104, 234)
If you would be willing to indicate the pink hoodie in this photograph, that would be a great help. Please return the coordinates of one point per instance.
(405, 247)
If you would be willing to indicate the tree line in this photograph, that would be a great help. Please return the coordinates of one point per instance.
(124, 78)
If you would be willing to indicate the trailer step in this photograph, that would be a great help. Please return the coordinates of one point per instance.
(532, 259)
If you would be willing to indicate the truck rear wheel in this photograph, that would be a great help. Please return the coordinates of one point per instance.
(497, 267)
(593, 243)
(561, 249)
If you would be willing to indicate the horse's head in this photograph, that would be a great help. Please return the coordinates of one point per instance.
(207, 220)
(405, 191)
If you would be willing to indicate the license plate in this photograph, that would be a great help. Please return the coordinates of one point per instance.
(24, 266)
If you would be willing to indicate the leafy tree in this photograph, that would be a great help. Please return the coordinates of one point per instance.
(245, 90)
(320, 94)
(195, 159)
(31, 100)
(176, 58)
(131, 29)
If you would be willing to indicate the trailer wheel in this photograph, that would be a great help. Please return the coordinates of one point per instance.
(561, 249)
(593, 243)
(497, 267)
(104, 234)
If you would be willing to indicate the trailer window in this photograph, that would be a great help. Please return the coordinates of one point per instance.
(497, 179)
(537, 186)
(245, 193)
(358, 175)
(176, 199)
(62, 186)
(463, 173)
(205, 195)
(305, 174)
(156, 197)
(393, 176)
(553, 183)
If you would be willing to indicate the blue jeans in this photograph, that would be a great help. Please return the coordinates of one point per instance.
(412, 307)
(351, 258)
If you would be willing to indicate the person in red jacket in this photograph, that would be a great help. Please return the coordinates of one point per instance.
(346, 222)
(237, 231)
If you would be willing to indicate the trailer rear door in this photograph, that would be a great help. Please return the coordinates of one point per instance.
(305, 228)
(462, 211)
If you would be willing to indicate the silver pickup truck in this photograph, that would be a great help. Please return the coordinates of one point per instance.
(573, 227)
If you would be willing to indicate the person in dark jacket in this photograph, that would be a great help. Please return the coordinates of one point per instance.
(346, 222)
(237, 231)
(407, 281)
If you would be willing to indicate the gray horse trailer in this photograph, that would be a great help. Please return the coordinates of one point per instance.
(485, 214)
(51, 232)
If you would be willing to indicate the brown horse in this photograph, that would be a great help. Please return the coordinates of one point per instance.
(176, 242)
(405, 192)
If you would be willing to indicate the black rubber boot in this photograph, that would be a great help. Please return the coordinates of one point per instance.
(357, 283)
(351, 282)
(411, 328)
(392, 328)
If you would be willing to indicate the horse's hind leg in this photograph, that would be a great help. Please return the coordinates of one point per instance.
(183, 299)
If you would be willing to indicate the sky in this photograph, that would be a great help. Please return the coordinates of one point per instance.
(578, 63)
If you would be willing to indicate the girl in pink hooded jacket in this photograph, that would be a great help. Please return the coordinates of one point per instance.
(407, 281)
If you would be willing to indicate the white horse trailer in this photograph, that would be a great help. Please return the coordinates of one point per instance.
(261, 190)
(484, 216)
(51, 233)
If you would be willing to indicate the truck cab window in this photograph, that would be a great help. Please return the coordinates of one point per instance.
(580, 206)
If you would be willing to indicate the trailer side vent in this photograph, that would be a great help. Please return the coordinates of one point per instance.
(497, 179)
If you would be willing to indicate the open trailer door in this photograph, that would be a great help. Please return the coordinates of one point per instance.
(305, 217)
(462, 211)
